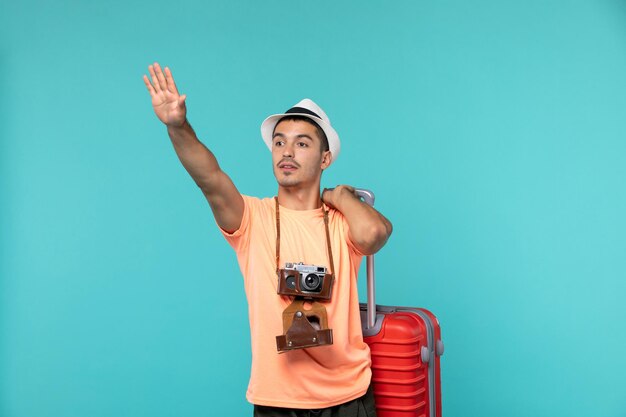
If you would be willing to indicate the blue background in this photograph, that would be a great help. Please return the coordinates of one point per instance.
(492, 132)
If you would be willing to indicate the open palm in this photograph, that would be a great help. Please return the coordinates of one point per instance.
(168, 104)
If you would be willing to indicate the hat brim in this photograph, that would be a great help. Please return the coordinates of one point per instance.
(268, 125)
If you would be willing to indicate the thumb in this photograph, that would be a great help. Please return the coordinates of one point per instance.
(181, 99)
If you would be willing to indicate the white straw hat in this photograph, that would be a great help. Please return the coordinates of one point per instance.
(309, 109)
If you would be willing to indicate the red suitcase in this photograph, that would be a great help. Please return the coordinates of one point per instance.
(406, 347)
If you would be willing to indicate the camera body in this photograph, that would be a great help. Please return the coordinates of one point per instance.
(308, 281)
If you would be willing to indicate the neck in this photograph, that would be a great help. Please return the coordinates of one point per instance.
(296, 198)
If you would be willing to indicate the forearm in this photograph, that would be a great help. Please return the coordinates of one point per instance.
(197, 159)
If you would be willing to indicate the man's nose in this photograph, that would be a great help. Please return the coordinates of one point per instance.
(288, 150)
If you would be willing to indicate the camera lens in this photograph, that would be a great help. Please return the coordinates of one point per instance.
(312, 283)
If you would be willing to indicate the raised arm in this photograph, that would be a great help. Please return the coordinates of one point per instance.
(368, 229)
(169, 106)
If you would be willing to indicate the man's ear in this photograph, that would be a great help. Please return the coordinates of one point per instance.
(326, 159)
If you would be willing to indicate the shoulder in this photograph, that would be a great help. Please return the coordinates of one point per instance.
(256, 211)
(338, 222)
(258, 207)
(339, 226)
(258, 201)
(335, 216)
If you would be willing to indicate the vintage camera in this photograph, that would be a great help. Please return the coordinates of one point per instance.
(308, 281)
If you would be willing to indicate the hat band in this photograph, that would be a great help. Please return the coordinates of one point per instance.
(301, 110)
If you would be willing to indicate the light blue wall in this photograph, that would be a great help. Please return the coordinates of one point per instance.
(493, 133)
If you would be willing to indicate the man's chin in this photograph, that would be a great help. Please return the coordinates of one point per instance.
(288, 182)
(285, 180)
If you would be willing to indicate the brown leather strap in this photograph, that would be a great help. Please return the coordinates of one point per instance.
(329, 248)
(277, 238)
(330, 252)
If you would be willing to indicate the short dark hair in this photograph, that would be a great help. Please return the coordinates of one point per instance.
(320, 131)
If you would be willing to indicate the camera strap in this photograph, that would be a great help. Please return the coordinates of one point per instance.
(330, 252)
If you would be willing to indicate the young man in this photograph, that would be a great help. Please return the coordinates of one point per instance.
(298, 225)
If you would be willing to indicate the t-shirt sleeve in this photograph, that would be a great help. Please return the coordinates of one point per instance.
(239, 238)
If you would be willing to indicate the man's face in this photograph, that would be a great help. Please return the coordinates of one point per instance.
(296, 154)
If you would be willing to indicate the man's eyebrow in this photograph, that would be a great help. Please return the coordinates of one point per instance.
(303, 135)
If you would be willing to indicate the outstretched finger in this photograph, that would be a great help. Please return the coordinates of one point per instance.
(171, 85)
(160, 77)
(155, 81)
(148, 85)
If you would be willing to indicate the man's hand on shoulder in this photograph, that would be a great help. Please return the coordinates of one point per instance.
(332, 196)
(368, 229)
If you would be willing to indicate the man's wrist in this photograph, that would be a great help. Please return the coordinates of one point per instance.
(184, 125)
(341, 195)
(347, 194)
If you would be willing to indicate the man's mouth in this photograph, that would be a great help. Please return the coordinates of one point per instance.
(287, 165)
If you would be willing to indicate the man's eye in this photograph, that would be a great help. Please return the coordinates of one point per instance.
(278, 143)
(302, 144)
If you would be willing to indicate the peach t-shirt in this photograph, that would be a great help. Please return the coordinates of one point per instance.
(317, 377)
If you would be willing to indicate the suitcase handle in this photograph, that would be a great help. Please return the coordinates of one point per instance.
(368, 198)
